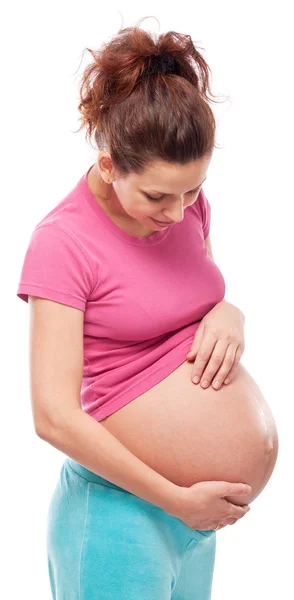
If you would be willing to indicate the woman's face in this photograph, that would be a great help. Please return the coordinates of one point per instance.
(162, 192)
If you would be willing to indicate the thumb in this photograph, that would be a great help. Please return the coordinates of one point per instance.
(234, 489)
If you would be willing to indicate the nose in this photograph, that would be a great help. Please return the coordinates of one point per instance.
(175, 214)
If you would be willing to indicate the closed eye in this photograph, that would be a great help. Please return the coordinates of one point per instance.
(160, 197)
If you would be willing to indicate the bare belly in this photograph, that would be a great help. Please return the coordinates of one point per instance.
(190, 434)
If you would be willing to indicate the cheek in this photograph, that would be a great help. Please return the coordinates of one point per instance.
(138, 210)
(131, 206)
(142, 210)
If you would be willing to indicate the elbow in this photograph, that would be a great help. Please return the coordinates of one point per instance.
(42, 429)
(44, 426)
(47, 428)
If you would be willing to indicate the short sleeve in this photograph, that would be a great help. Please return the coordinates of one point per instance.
(205, 210)
(55, 267)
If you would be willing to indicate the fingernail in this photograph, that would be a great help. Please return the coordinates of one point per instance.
(216, 384)
(204, 383)
(196, 379)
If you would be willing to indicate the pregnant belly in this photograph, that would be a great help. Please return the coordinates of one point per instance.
(190, 434)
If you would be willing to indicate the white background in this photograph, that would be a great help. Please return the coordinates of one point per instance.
(249, 48)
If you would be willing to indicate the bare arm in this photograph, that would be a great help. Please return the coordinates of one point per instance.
(56, 368)
(82, 438)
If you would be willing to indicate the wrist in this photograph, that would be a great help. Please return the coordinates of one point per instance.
(174, 500)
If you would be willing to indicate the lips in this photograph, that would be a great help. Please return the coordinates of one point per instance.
(163, 223)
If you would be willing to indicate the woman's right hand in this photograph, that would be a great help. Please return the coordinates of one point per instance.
(203, 506)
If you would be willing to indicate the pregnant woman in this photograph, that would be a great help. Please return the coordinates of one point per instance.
(122, 284)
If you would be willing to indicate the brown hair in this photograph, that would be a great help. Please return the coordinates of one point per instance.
(146, 100)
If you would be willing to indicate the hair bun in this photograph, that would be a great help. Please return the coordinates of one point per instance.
(136, 117)
(164, 63)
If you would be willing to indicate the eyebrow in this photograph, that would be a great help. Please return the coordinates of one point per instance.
(165, 194)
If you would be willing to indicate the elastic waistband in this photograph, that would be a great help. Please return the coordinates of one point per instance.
(90, 476)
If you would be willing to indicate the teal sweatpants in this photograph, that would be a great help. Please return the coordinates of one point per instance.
(105, 543)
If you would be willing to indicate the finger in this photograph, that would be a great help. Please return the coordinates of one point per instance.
(231, 521)
(234, 368)
(215, 362)
(203, 355)
(198, 337)
(237, 512)
(226, 367)
(225, 488)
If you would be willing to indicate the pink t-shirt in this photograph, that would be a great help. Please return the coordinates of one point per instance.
(143, 297)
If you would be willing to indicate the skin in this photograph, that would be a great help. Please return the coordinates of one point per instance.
(194, 414)
(124, 198)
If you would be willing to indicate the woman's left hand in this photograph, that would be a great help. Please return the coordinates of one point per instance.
(218, 345)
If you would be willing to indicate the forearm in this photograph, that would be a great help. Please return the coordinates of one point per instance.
(86, 441)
